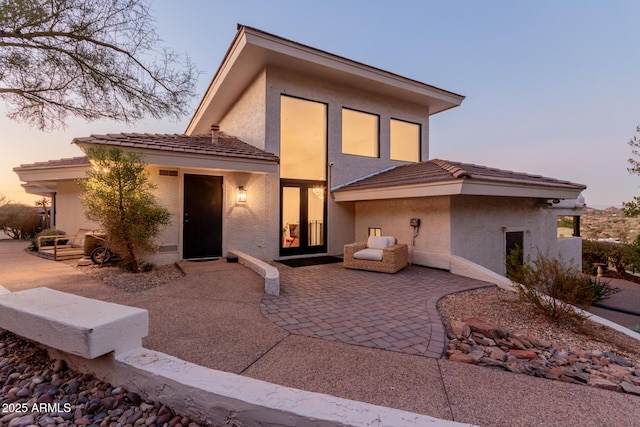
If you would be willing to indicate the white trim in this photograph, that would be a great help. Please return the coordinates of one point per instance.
(457, 187)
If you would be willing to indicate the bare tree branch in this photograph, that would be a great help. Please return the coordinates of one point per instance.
(89, 58)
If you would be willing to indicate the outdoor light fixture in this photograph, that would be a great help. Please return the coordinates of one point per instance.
(241, 195)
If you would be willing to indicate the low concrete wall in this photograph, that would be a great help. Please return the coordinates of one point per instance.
(269, 273)
(466, 268)
(221, 397)
(77, 325)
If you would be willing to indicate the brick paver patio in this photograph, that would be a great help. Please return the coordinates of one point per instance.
(394, 312)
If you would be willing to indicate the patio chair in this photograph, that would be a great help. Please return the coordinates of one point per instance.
(378, 253)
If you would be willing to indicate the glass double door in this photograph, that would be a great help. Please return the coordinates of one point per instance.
(303, 217)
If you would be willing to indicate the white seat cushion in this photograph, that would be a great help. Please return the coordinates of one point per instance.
(369, 254)
(380, 242)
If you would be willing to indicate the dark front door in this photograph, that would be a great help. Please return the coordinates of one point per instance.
(202, 227)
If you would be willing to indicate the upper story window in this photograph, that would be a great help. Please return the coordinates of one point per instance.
(360, 133)
(404, 141)
(303, 139)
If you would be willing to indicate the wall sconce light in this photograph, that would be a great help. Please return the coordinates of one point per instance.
(241, 195)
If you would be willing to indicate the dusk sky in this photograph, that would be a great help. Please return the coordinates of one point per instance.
(552, 88)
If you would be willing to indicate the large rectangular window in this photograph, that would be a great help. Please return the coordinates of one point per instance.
(405, 141)
(360, 133)
(303, 139)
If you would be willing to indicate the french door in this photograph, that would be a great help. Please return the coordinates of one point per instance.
(303, 211)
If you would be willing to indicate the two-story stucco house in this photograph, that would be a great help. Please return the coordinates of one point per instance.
(296, 151)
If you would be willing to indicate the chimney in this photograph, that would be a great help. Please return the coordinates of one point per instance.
(215, 131)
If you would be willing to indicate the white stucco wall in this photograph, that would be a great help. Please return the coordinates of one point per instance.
(432, 244)
(247, 117)
(479, 225)
(69, 212)
(340, 221)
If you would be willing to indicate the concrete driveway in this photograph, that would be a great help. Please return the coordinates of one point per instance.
(212, 317)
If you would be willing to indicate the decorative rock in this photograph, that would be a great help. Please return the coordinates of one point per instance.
(630, 388)
(497, 354)
(83, 399)
(460, 357)
(460, 329)
(619, 360)
(524, 354)
(164, 418)
(597, 382)
(521, 353)
(109, 403)
(485, 328)
(23, 421)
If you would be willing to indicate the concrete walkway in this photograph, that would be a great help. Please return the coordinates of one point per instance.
(212, 317)
(619, 306)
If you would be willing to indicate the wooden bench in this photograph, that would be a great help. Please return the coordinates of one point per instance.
(72, 248)
(82, 326)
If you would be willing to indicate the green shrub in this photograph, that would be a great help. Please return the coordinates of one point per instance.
(567, 287)
(620, 256)
(53, 233)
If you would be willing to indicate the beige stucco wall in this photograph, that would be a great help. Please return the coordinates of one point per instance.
(469, 227)
(479, 225)
(340, 221)
(169, 195)
(247, 117)
(69, 212)
(432, 244)
(251, 227)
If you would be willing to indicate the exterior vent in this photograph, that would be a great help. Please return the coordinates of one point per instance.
(167, 172)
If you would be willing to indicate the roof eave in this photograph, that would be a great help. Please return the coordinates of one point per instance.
(459, 187)
(185, 159)
(252, 50)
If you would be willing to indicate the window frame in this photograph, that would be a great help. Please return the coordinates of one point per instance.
(419, 139)
(342, 139)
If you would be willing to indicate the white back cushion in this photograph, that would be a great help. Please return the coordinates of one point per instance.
(380, 242)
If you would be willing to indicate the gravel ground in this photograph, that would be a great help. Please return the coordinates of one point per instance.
(40, 392)
(133, 282)
(502, 307)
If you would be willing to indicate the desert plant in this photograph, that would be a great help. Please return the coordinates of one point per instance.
(555, 287)
(119, 195)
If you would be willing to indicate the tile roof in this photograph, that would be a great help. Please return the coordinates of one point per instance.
(226, 146)
(436, 170)
(59, 163)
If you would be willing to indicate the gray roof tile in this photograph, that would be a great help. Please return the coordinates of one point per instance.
(437, 170)
(226, 146)
(59, 163)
